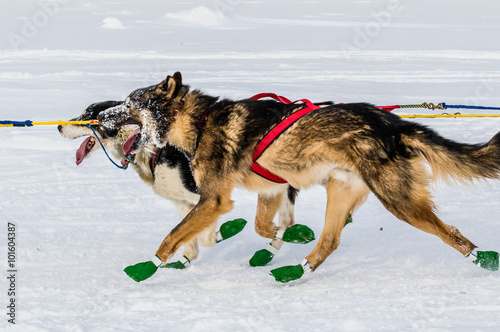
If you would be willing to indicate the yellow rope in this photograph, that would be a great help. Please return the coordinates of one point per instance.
(413, 116)
(58, 122)
(64, 123)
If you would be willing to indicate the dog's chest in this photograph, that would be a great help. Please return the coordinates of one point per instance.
(169, 184)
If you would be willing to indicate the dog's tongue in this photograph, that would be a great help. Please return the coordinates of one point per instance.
(129, 143)
(82, 151)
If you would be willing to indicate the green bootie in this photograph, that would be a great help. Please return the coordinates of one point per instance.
(348, 220)
(264, 256)
(261, 258)
(296, 234)
(230, 229)
(488, 260)
(288, 273)
(144, 270)
(179, 265)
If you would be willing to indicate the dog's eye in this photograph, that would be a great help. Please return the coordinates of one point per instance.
(128, 103)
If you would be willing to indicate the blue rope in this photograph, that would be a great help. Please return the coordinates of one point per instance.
(26, 123)
(122, 167)
(445, 106)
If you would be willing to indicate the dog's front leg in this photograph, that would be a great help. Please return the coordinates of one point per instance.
(191, 250)
(203, 216)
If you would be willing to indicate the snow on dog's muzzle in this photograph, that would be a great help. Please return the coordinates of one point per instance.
(114, 117)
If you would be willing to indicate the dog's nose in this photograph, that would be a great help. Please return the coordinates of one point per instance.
(60, 128)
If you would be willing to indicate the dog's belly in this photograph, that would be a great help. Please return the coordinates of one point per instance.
(318, 174)
(168, 184)
(254, 182)
(303, 179)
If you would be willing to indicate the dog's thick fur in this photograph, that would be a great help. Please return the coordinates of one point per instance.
(351, 149)
(172, 178)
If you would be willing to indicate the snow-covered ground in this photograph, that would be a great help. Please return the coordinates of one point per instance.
(78, 227)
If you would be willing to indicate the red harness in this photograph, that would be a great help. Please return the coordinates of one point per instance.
(276, 132)
(267, 139)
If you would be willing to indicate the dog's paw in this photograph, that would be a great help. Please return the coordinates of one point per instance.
(488, 260)
(288, 273)
(230, 229)
(261, 258)
(141, 271)
(298, 234)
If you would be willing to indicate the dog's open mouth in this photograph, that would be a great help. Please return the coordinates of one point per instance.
(85, 149)
(131, 142)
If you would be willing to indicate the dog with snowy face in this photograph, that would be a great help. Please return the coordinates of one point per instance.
(168, 171)
(351, 149)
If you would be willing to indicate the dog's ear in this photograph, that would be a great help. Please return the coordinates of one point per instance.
(178, 78)
(167, 88)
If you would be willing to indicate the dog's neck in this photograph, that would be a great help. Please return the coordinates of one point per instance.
(184, 131)
(141, 163)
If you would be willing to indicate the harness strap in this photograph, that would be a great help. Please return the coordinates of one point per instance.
(282, 99)
(124, 164)
(201, 124)
(276, 132)
(152, 161)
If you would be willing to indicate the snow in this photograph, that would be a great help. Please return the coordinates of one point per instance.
(112, 23)
(78, 227)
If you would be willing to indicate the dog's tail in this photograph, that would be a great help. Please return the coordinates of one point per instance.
(450, 160)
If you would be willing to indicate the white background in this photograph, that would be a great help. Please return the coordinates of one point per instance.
(78, 227)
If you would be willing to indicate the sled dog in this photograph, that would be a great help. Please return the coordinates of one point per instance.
(351, 149)
(168, 171)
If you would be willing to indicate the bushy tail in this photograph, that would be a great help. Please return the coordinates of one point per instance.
(451, 160)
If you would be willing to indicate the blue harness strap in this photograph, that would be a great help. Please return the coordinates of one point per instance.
(445, 106)
(26, 123)
(124, 166)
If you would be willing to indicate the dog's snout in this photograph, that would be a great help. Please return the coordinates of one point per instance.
(102, 118)
(60, 128)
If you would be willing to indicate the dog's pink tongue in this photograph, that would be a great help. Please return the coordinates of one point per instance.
(129, 143)
(82, 151)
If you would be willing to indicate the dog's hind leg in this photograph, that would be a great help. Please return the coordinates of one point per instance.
(286, 210)
(409, 200)
(343, 197)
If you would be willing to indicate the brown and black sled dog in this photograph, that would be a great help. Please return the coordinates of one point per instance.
(351, 149)
(168, 171)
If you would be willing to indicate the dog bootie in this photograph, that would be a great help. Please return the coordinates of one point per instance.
(296, 234)
(264, 256)
(348, 220)
(142, 271)
(289, 273)
(179, 265)
(230, 229)
(488, 260)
